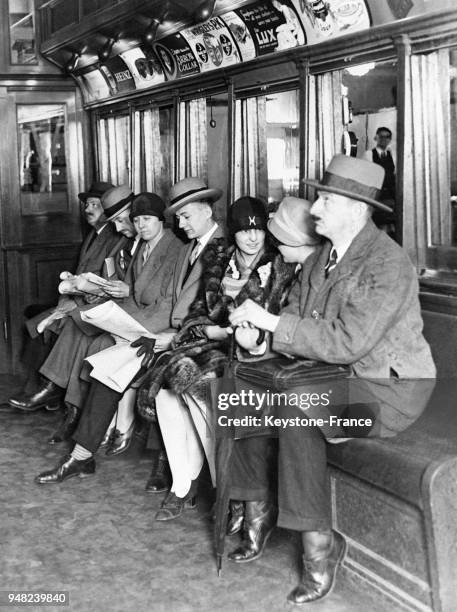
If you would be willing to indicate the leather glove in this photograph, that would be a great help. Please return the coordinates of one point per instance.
(146, 348)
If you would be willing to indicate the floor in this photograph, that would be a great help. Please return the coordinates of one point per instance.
(96, 538)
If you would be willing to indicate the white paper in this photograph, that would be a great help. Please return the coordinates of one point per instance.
(112, 318)
(116, 366)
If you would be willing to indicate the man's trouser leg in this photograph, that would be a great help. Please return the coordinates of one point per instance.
(303, 487)
(99, 409)
(60, 361)
(253, 468)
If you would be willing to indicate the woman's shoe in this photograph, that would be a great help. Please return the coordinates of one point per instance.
(121, 441)
(108, 439)
(259, 521)
(173, 506)
(235, 522)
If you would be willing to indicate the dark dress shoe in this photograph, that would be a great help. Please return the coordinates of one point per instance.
(259, 521)
(319, 572)
(159, 480)
(67, 469)
(67, 426)
(48, 395)
(121, 441)
(235, 522)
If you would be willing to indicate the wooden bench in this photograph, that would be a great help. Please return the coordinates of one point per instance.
(396, 499)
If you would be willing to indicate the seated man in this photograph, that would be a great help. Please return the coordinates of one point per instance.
(356, 303)
(98, 245)
(162, 272)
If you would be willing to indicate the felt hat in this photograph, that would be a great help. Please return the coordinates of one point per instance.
(355, 178)
(96, 190)
(292, 224)
(191, 189)
(116, 200)
(148, 204)
(247, 213)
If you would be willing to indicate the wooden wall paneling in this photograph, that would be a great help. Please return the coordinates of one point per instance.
(33, 278)
(5, 356)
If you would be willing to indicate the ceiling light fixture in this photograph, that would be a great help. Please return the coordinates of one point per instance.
(72, 63)
(105, 51)
(150, 33)
(204, 11)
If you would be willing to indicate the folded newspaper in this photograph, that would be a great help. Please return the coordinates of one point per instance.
(110, 317)
(87, 282)
(116, 366)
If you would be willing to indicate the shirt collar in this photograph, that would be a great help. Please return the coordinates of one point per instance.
(203, 240)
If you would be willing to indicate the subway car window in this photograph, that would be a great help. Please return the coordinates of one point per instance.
(42, 159)
(153, 147)
(369, 96)
(22, 32)
(217, 147)
(267, 146)
(114, 149)
(193, 140)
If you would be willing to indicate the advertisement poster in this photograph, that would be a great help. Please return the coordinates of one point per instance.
(94, 86)
(118, 74)
(177, 57)
(212, 44)
(327, 19)
(241, 35)
(144, 67)
(274, 26)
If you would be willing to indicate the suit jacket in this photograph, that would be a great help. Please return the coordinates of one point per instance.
(184, 293)
(152, 286)
(93, 252)
(366, 314)
(94, 249)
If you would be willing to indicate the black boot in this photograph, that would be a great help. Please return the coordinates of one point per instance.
(67, 427)
(48, 396)
(259, 520)
(235, 522)
(68, 467)
(323, 553)
(159, 480)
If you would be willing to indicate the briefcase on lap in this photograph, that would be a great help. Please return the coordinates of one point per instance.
(283, 373)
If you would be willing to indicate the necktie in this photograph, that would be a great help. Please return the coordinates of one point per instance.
(146, 253)
(383, 155)
(332, 262)
(195, 253)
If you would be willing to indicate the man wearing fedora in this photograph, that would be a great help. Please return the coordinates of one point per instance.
(152, 302)
(98, 244)
(356, 303)
(191, 202)
(63, 365)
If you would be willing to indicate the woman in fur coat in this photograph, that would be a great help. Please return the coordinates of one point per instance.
(249, 268)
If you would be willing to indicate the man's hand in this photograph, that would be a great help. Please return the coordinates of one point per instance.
(147, 348)
(215, 332)
(250, 313)
(117, 289)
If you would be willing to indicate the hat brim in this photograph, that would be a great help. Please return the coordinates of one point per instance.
(205, 194)
(349, 194)
(118, 212)
(87, 194)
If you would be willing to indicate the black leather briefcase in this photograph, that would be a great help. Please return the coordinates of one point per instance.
(283, 373)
